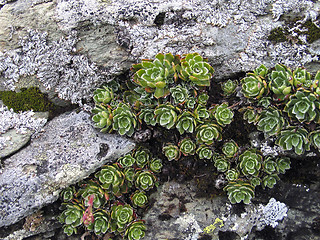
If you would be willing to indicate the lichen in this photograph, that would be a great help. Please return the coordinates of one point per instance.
(56, 64)
(26, 99)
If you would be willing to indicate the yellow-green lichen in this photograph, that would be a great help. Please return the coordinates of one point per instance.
(26, 99)
(209, 229)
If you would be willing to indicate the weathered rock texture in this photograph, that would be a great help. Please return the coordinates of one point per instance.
(76, 45)
(179, 213)
(68, 150)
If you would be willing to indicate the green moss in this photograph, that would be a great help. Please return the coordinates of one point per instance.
(313, 32)
(278, 35)
(26, 99)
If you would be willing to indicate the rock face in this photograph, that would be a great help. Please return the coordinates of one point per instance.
(68, 48)
(76, 45)
(179, 213)
(68, 150)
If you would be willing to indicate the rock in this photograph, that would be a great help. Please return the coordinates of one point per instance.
(76, 45)
(16, 129)
(178, 213)
(68, 150)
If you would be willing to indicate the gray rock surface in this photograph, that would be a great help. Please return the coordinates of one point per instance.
(179, 213)
(16, 129)
(69, 150)
(76, 45)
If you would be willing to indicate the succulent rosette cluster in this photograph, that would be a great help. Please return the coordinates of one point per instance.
(304, 106)
(253, 86)
(222, 114)
(294, 138)
(87, 204)
(229, 87)
(270, 121)
(156, 75)
(239, 191)
(196, 69)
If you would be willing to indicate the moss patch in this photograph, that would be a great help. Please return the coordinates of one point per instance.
(282, 34)
(27, 99)
(278, 35)
(313, 32)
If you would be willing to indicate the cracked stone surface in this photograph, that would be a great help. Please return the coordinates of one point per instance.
(68, 150)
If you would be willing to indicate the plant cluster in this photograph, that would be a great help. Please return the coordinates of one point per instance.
(282, 103)
(172, 93)
(245, 170)
(109, 201)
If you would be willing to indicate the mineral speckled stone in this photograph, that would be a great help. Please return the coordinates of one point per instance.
(69, 150)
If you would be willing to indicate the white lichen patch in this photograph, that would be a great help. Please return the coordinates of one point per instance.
(55, 64)
(21, 122)
(187, 223)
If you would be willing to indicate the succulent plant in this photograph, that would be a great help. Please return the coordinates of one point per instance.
(72, 217)
(229, 87)
(166, 115)
(314, 137)
(92, 189)
(67, 194)
(222, 164)
(302, 78)
(304, 107)
(208, 133)
(171, 151)
(101, 222)
(283, 164)
(145, 180)
(142, 157)
(103, 95)
(255, 181)
(155, 75)
(203, 98)
(261, 71)
(239, 191)
(204, 152)
(293, 137)
(250, 114)
(315, 87)
(230, 149)
(270, 121)
(126, 161)
(129, 174)
(222, 114)
(280, 81)
(187, 147)
(124, 121)
(155, 165)
(191, 103)
(135, 231)
(111, 178)
(250, 162)
(179, 94)
(232, 174)
(103, 118)
(186, 122)
(270, 166)
(270, 180)
(147, 115)
(201, 113)
(196, 69)
(69, 230)
(253, 86)
(264, 102)
(121, 216)
(139, 199)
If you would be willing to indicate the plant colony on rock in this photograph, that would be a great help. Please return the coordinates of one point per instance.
(108, 202)
(172, 92)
